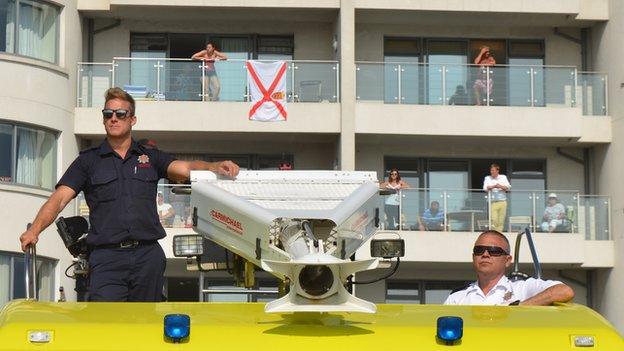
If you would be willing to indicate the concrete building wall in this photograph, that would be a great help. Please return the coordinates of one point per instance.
(313, 40)
(561, 173)
(608, 53)
(369, 38)
(42, 95)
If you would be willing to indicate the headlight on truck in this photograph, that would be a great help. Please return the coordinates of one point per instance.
(188, 245)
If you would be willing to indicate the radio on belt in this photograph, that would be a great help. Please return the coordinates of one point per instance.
(304, 225)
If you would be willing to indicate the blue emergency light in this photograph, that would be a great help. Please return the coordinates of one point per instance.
(450, 328)
(177, 326)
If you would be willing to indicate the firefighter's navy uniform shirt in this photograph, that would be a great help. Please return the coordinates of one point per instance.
(121, 193)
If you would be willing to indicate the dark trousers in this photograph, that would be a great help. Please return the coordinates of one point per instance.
(131, 274)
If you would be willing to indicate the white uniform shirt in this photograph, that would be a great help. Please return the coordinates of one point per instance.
(497, 194)
(504, 293)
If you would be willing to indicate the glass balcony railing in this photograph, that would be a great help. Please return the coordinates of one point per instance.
(174, 211)
(93, 80)
(500, 85)
(471, 210)
(154, 79)
(458, 210)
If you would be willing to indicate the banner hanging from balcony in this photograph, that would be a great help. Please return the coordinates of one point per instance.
(266, 83)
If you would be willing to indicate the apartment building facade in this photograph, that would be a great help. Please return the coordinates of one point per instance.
(370, 87)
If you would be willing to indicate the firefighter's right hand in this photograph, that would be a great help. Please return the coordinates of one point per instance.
(27, 238)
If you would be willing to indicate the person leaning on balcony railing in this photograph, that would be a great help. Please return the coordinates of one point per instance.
(490, 259)
(393, 201)
(483, 85)
(212, 85)
(497, 185)
(119, 178)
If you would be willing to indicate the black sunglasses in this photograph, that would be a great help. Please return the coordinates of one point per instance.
(120, 113)
(495, 251)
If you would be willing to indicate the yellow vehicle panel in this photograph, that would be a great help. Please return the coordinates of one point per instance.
(245, 326)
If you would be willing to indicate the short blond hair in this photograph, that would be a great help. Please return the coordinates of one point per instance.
(118, 93)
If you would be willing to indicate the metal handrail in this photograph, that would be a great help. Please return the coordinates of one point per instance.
(536, 264)
(544, 191)
(465, 64)
(231, 60)
(30, 270)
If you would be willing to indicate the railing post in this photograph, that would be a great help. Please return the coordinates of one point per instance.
(445, 207)
(79, 91)
(487, 85)
(204, 88)
(489, 206)
(337, 68)
(606, 100)
(443, 85)
(574, 97)
(157, 66)
(608, 218)
(576, 213)
(113, 74)
(292, 82)
(399, 85)
(534, 213)
(532, 73)
(400, 193)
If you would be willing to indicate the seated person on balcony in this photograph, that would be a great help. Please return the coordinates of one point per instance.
(166, 213)
(482, 85)
(211, 83)
(459, 97)
(432, 218)
(490, 258)
(554, 214)
(392, 201)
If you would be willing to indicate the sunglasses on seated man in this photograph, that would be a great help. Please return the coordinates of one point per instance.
(120, 113)
(495, 251)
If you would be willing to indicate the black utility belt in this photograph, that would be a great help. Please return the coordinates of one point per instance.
(126, 244)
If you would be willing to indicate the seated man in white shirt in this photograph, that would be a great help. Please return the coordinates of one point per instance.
(490, 258)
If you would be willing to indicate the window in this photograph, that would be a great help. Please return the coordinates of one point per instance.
(27, 156)
(34, 34)
(420, 292)
(12, 284)
(275, 48)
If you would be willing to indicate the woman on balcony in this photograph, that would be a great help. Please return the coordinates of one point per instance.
(483, 84)
(392, 201)
(211, 85)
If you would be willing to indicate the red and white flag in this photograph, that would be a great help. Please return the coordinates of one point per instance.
(267, 85)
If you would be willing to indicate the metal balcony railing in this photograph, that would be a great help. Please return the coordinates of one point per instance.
(470, 210)
(499, 85)
(461, 210)
(162, 79)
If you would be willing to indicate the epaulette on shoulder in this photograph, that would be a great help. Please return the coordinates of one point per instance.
(463, 287)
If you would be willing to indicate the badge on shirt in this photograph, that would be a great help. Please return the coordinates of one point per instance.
(143, 161)
(508, 296)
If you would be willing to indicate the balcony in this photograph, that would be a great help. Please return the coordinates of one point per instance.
(472, 100)
(582, 238)
(585, 231)
(176, 87)
(468, 210)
